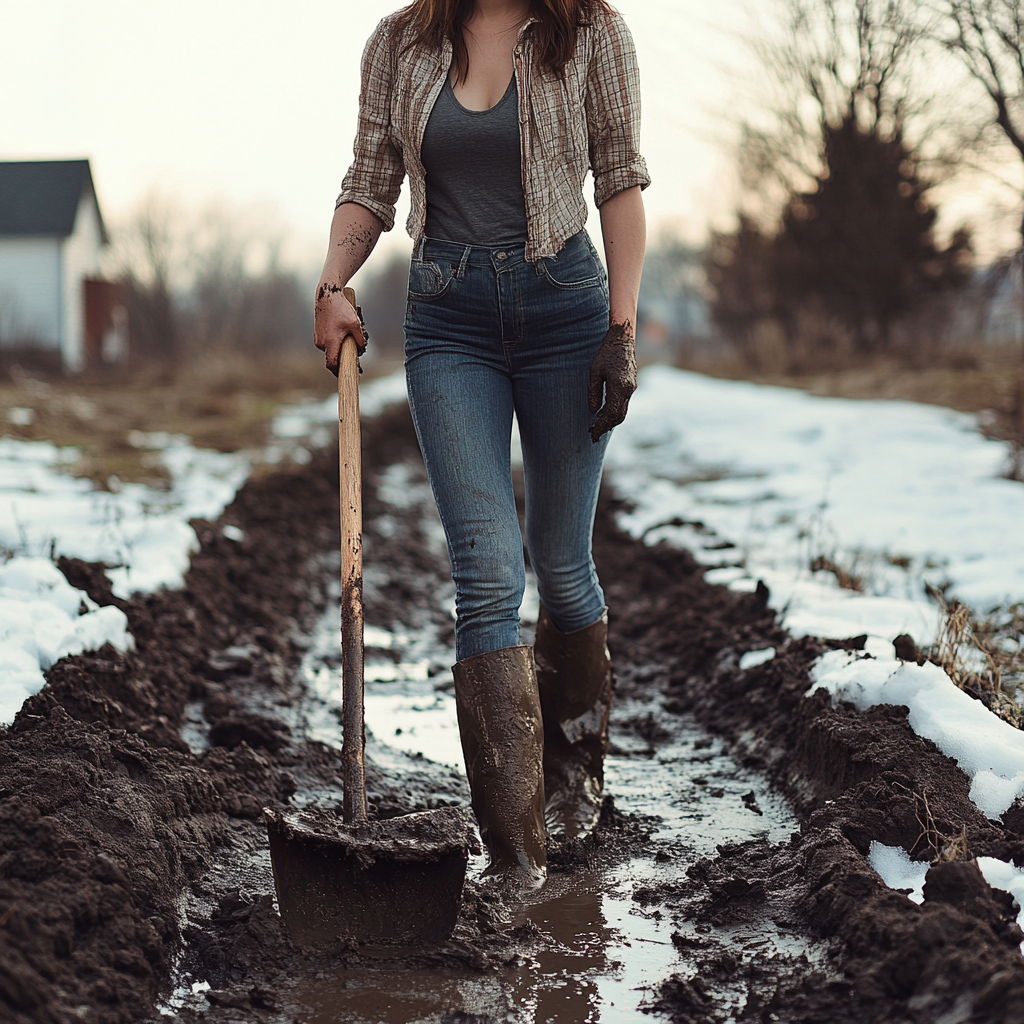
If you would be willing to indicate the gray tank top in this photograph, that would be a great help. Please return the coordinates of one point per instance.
(473, 161)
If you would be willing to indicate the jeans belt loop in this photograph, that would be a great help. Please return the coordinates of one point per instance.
(421, 248)
(462, 263)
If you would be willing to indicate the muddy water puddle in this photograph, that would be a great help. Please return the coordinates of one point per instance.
(602, 939)
(601, 955)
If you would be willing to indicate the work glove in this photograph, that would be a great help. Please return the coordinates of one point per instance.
(612, 378)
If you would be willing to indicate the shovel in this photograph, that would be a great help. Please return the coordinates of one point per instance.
(391, 881)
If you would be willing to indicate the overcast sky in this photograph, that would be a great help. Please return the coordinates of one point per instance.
(255, 102)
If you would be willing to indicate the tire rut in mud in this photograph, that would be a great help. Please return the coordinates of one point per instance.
(107, 816)
(852, 777)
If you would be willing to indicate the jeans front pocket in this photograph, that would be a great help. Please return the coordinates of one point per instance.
(576, 266)
(428, 280)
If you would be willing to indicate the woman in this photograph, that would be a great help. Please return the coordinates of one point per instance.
(495, 109)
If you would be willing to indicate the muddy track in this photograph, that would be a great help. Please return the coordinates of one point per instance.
(108, 817)
(853, 777)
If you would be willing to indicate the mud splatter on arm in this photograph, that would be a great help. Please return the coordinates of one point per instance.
(354, 233)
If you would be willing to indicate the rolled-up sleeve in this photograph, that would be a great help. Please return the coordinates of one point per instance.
(375, 178)
(613, 112)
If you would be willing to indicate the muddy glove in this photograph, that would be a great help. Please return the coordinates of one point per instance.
(613, 378)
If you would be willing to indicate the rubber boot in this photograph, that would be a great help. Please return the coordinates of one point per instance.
(502, 739)
(574, 675)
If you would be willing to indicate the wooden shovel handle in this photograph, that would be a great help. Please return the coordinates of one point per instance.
(353, 768)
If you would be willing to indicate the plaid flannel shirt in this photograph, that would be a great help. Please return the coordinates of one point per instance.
(588, 118)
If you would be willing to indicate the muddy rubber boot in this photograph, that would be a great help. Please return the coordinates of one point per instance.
(502, 739)
(574, 675)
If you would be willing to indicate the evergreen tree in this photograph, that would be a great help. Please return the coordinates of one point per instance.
(862, 241)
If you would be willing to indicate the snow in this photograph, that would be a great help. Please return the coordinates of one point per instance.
(898, 871)
(143, 533)
(788, 477)
(751, 659)
(989, 750)
(759, 482)
(317, 422)
(40, 624)
(1000, 874)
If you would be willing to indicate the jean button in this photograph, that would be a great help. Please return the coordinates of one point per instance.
(502, 255)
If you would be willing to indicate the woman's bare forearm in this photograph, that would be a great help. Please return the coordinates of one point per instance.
(624, 228)
(354, 233)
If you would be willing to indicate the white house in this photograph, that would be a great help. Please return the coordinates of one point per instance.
(51, 236)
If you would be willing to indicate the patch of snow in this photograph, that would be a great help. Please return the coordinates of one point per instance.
(43, 619)
(316, 422)
(21, 417)
(1001, 874)
(989, 750)
(897, 870)
(754, 658)
(141, 532)
(760, 481)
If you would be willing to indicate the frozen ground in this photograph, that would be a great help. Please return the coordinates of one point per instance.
(762, 483)
(759, 482)
(143, 533)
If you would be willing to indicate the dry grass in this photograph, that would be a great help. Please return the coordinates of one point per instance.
(984, 657)
(848, 579)
(943, 847)
(220, 403)
(976, 380)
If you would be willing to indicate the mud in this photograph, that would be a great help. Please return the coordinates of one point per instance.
(613, 378)
(134, 867)
(105, 814)
(853, 777)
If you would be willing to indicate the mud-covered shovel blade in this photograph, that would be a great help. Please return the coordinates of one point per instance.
(393, 881)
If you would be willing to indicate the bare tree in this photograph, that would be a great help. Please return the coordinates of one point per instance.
(205, 280)
(836, 244)
(988, 37)
(146, 257)
(825, 63)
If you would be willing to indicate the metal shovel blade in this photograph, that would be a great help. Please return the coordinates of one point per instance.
(390, 882)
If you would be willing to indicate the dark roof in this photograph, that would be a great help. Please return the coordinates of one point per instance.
(41, 197)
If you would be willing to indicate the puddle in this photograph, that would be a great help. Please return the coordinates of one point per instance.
(604, 953)
(607, 955)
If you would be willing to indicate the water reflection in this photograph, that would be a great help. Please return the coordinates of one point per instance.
(407, 997)
(604, 955)
(561, 984)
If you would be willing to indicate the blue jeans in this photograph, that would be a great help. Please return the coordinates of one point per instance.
(488, 333)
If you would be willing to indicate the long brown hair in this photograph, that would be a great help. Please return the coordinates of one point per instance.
(554, 31)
